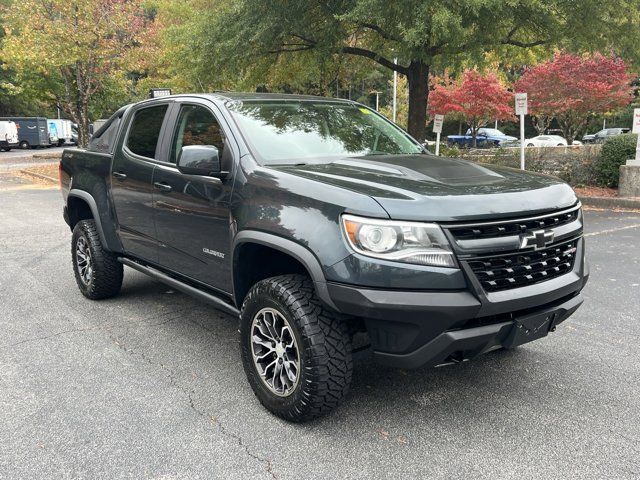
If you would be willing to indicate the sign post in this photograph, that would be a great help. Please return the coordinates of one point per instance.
(437, 129)
(522, 108)
(636, 129)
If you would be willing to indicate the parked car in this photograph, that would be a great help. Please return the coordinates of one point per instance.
(64, 130)
(8, 135)
(546, 141)
(602, 135)
(487, 137)
(327, 232)
(33, 132)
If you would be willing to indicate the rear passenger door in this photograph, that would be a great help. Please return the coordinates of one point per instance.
(192, 211)
(131, 183)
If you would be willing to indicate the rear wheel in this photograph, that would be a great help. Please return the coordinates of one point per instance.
(24, 144)
(530, 145)
(295, 352)
(98, 272)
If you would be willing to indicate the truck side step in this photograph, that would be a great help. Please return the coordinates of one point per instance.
(183, 287)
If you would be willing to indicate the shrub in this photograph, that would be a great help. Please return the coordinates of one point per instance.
(571, 164)
(615, 152)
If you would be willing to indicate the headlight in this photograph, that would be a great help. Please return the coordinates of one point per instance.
(408, 242)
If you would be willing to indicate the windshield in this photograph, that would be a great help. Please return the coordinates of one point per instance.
(302, 131)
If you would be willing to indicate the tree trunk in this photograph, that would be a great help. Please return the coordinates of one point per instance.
(418, 79)
(541, 123)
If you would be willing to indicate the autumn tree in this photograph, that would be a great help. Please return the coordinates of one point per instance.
(575, 88)
(71, 51)
(479, 98)
(253, 35)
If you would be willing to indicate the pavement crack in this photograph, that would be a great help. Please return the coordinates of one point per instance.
(238, 438)
(171, 376)
(65, 332)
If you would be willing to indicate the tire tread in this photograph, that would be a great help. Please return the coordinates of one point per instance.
(326, 341)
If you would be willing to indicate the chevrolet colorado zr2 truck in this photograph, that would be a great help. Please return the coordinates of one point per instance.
(328, 231)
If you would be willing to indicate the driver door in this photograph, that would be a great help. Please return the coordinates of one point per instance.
(192, 211)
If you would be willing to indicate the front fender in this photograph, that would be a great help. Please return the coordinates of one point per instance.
(297, 251)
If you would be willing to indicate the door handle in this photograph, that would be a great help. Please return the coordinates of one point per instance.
(162, 186)
(119, 175)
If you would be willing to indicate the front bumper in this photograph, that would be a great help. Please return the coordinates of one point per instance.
(410, 329)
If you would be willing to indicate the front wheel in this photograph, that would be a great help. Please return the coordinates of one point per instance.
(24, 144)
(295, 352)
(98, 272)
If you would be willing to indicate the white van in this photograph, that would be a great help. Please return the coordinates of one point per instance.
(8, 135)
(63, 128)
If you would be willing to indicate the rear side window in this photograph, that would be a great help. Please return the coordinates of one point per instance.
(104, 143)
(145, 131)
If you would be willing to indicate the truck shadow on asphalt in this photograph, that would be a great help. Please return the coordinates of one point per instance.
(477, 390)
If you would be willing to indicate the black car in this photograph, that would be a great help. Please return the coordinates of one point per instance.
(327, 231)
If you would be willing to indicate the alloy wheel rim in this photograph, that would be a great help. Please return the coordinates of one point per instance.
(83, 260)
(275, 352)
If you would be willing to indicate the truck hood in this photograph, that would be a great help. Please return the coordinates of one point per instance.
(430, 188)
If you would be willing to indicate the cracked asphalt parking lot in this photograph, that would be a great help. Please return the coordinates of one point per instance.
(150, 385)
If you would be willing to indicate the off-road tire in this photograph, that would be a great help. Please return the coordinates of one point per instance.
(106, 278)
(323, 343)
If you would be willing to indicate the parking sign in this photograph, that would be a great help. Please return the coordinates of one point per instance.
(522, 107)
(636, 120)
(437, 123)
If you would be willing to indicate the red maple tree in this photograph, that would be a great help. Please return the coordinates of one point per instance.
(572, 89)
(478, 98)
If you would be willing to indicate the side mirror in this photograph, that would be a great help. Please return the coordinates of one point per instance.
(199, 160)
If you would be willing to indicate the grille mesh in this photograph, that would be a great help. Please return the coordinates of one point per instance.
(502, 272)
(513, 228)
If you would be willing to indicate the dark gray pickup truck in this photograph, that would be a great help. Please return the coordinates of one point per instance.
(328, 231)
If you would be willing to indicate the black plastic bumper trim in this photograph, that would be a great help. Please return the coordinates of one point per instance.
(465, 344)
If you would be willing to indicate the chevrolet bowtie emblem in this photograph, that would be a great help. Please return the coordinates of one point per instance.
(537, 239)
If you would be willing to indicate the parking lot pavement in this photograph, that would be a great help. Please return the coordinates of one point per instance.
(150, 385)
(17, 158)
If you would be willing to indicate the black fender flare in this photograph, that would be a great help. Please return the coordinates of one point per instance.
(88, 198)
(294, 249)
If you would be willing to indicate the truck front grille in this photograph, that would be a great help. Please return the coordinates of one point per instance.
(507, 228)
(513, 270)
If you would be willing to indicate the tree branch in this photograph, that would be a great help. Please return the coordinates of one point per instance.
(385, 62)
(379, 31)
(516, 43)
(508, 40)
(291, 48)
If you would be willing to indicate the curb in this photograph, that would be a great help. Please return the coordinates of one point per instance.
(611, 202)
(47, 156)
(40, 176)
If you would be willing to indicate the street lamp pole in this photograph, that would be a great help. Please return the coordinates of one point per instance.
(395, 88)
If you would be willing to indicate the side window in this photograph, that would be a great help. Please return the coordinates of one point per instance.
(104, 143)
(196, 126)
(145, 130)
